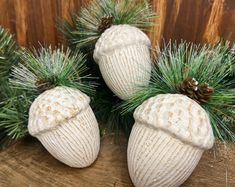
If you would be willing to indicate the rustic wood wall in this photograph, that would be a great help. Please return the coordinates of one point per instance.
(33, 21)
(195, 20)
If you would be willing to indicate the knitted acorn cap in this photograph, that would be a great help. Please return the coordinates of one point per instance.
(119, 36)
(179, 116)
(55, 106)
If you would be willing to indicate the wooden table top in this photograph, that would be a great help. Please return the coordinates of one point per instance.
(27, 163)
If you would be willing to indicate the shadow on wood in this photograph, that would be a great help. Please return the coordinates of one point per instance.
(29, 164)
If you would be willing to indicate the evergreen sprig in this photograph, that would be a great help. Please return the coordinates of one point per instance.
(8, 53)
(14, 119)
(88, 25)
(47, 68)
(12, 104)
(206, 64)
(9, 56)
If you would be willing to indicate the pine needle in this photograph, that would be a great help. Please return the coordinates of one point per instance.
(13, 119)
(8, 55)
(13, 105)
(47, 68)
(8, 58)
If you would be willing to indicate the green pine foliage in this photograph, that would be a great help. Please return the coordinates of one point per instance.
(13, 104)
(233, 65)
(8, 55)
(47, 68)
(88, 25)
(206, 64)
(13, 119)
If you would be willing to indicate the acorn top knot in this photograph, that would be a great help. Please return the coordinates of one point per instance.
(191, 88)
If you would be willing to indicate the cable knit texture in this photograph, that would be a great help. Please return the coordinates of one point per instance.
(123, 55)
(170, 133)
(63, 121)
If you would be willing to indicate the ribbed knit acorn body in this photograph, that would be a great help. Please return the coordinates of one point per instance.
(122, 53)
(64, 123)
(170, 133)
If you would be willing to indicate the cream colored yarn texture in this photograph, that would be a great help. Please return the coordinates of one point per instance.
(64, 123)
(170, 133)
(123, 55)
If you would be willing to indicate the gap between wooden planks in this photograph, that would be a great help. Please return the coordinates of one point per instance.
(29, 164)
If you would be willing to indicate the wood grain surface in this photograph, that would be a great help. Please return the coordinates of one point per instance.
(29, 164)
(194, 20)
(33, 21)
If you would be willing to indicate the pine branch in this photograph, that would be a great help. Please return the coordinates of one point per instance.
(46, 69)
(8, 55)
(93, 19)
(8, 58)
(13, 106)
(13, 119)
(206, 65)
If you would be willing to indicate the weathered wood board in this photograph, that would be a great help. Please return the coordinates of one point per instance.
(29, 164)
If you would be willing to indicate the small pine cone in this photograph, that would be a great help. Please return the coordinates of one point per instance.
(188, 87)
(204, 92)
(43, 86)
(106, 22)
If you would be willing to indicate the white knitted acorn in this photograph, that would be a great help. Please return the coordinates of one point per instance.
(122, 53)
(170, 133)
(65, 124)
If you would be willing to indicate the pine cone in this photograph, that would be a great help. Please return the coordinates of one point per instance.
(204, 92)
(43, 85)
(199, 93)
(106, 22)
(188, 87)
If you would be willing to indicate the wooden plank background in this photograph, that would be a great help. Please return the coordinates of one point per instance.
(33, 21)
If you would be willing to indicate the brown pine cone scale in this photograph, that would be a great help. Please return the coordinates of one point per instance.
(43, 85)
(105, 23)
(191, 88)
